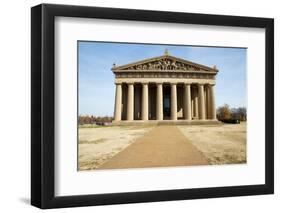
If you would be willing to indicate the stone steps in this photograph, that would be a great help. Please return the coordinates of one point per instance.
(167, 122)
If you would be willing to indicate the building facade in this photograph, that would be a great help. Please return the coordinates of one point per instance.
(164, 88)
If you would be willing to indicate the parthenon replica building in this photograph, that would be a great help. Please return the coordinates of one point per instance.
(164, 88)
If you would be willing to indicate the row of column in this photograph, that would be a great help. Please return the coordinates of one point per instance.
(202, 109)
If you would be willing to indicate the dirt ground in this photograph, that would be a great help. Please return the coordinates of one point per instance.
(225, 144)
(98, 144)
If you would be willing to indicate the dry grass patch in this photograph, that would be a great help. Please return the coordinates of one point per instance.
(224, 144)
(97, 145)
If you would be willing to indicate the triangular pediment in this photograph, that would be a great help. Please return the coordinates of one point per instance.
(165, 63)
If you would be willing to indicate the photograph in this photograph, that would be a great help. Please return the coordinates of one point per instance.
(144, 105)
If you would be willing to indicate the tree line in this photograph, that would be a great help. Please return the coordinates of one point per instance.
(90, 119)
(225, 112)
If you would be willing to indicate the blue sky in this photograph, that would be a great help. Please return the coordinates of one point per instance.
(96, 80)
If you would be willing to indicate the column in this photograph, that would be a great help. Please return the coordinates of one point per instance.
(206, 102)
(130, 102)
(212, 103)
(209, 107)
(187, 102)
(159, 102)
(144, 105)
(196, 114)
(174, 101)
(118, 102)
(201, 102)
(192, 105)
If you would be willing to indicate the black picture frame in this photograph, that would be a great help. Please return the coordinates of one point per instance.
(43, 105)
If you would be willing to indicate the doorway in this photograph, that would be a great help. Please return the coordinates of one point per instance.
(167, 102)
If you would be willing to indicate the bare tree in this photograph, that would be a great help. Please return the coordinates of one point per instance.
(224, 112)
(242, 111)
(90, 119)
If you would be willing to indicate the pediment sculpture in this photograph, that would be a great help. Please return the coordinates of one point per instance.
(163, 64)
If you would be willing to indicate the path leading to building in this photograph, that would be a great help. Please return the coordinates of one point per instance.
(163, 146)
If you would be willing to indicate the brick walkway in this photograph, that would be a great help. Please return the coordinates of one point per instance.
(163, 146)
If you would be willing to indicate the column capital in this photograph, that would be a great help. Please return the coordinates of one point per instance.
(144, 83)
(130, 83)
(173, 83)
(210, 84)
(118, 83)
(201, 84)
